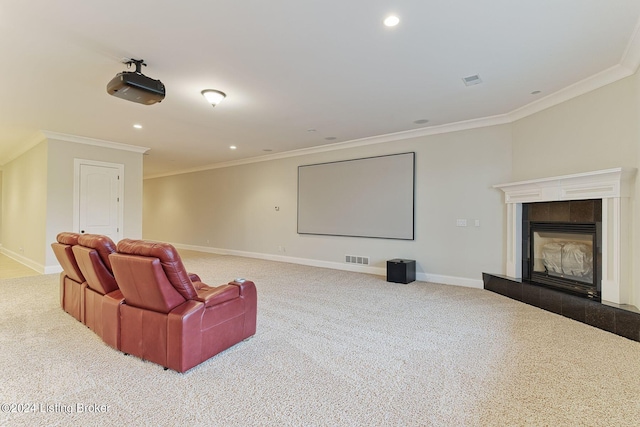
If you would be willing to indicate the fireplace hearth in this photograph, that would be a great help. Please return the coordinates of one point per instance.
(623, 321)
(601, 197)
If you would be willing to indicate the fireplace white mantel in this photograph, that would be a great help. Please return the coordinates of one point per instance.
(614, 187)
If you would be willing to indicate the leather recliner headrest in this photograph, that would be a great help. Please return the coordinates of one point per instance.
(169, 259)
(102, 244)
(68, 238)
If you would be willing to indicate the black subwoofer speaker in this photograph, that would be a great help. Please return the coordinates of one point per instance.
(401, 270)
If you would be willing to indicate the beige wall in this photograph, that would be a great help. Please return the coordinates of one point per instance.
(0, 208)
(233, 208)
(598, 130)
(60, 187)
(635, 203)
(37, 197)
(24, 206)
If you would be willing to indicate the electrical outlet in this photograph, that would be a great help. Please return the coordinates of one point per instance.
(477, 223)
(461, 222)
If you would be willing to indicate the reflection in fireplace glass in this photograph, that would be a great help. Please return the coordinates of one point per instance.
(565, 255)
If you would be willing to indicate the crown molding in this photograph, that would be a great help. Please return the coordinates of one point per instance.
(31, 142)
(95, 142)
(629, 64)
(582, 87)
(603, 78)
(360, 142)
(631, 56)
(43, 135)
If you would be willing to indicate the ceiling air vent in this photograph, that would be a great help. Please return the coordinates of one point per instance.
(472, 80)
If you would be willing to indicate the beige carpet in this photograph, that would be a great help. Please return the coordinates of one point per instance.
(333, 348)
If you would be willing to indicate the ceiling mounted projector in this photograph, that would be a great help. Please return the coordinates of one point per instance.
(135, 86)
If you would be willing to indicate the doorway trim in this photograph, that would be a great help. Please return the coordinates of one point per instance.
(76, 192)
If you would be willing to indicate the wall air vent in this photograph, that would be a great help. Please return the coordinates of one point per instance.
(472, 80)
(352, 259)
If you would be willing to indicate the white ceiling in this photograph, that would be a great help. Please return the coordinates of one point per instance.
(288, 66)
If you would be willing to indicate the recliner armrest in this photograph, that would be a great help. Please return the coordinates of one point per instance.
(245, 286)
(194, 277)
(214, 296)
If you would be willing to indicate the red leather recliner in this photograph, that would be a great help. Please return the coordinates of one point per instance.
(170, 320)
(72, 282)
(102, 297)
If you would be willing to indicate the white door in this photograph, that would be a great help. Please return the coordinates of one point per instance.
(99, 200)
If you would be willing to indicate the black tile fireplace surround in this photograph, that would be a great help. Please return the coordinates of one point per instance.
(621, 322)
(551, 221)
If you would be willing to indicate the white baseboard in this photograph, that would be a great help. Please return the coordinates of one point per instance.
(30, 263)
(451, 280)
(378, 271)
(52, 269)
(282, 258)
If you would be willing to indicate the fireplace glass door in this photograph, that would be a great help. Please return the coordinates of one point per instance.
(564, 255)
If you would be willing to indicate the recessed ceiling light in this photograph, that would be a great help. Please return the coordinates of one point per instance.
(137, 126)
(311, 130)
(421, 121)
(267, 149)
(535, 92)
(232, 147)
(331, 138)
(391, 21)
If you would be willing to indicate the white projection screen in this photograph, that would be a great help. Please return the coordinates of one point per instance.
(369, 197)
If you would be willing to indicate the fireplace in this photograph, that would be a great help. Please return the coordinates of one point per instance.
(562, 244)
(601, 198)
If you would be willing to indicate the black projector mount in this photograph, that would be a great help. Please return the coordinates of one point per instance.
(139, 64)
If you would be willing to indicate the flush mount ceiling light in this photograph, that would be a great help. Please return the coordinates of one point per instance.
(391, 21)
(213, 97)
